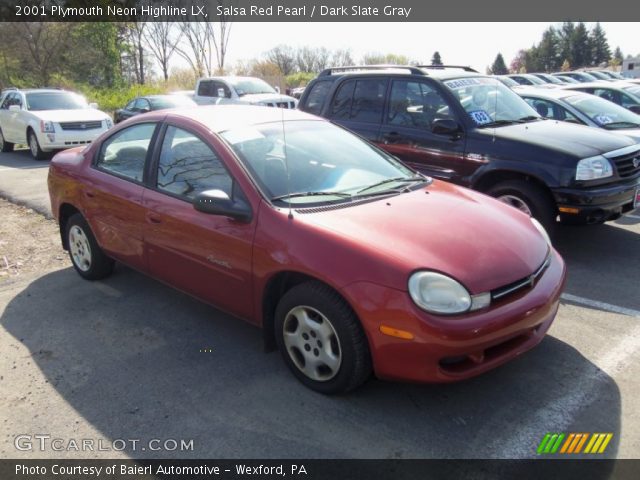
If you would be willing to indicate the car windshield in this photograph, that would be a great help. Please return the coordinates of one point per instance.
(635, 89)
(171, 101)
(605, 113)
(489, 103)
(321, 163)
(38, 101)
(535, 80)
(250, 86)
(552, 79)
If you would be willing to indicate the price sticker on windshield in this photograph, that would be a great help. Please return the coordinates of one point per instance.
(480, 117)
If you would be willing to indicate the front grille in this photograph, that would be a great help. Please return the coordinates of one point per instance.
(289, 105)
(628, 165)
(91, 125)
(526, 282)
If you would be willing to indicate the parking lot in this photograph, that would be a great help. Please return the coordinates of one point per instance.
(130, 358)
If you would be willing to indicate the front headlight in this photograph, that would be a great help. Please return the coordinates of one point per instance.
(437, 293)
(593, 168)
(541, 229)
(47, 127)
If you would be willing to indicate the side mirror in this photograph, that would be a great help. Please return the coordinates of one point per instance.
(221, 93)
(217, 202)
(145, 110)
(445, 126)
(14, 108)
(635, 109)
(93, 105)
(277, 89)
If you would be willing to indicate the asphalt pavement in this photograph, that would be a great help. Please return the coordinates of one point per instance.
(129, 358)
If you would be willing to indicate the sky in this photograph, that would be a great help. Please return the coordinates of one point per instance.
(475, 44)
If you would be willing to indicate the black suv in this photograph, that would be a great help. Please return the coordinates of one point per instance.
(455, 124)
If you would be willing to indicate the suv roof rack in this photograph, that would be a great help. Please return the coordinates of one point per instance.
(6, 89)
(414, 70)
(466, 68)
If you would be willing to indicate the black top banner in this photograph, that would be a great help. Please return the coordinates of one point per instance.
(316, 11)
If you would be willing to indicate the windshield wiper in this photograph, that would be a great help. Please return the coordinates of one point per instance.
(498, 123)
(311, 194)
(618, 124)
(529, 118)
(392, 180)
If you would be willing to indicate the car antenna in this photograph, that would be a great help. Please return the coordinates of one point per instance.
(286, 163)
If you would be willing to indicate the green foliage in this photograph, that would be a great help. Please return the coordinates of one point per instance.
(571, 42)
(499, 67)
(111, 99)
(299, 79)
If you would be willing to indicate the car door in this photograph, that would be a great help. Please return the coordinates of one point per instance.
(126, 112)
(5, 117)
(407, 130)
(112, 195)
(12, 119)
(358, 105)
(205, 255)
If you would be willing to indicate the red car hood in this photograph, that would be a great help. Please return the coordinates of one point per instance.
(475, 239)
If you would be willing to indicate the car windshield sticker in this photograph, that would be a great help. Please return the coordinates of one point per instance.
(480, 117)
(603, 119)
(469, 82)
(240, 135)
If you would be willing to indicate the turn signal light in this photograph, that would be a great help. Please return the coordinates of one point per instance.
(395, 332)
(569, 210)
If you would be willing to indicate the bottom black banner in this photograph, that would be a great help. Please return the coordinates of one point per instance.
(318, 469)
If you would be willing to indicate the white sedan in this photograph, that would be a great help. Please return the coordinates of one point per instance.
(48, 120)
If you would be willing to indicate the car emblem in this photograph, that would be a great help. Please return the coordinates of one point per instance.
(636, 162)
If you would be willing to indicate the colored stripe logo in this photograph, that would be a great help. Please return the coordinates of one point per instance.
(574, 443)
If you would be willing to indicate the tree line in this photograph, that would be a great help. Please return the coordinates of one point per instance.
(568, 46)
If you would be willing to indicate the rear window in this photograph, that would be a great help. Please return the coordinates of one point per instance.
(360, 100)
(315, 99)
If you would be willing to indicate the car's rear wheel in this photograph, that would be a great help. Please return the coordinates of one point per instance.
(34, 147)
(529, 199)
(4, 145)
(86, 255)
(321, 339)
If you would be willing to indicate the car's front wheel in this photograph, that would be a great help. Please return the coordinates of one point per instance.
(4, 145)
(34, 147)
(86, 255)
(321, 339)
(529, 199)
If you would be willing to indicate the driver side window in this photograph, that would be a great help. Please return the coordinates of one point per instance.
(416, 104)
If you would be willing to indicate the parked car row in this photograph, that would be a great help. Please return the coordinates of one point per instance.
(340, 230)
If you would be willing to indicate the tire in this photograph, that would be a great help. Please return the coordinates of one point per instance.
(313, 324)
(34, 147)
(528, 198)
(5, 146)
(86, 256)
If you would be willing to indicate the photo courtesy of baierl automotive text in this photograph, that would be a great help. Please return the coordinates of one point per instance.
(325, 240)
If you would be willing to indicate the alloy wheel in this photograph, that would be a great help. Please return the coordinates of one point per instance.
(79, 248)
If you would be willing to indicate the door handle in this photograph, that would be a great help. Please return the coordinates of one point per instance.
(89, 194)
(391, 136)
(153, 218)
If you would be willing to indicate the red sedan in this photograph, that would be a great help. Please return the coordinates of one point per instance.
(350, 262)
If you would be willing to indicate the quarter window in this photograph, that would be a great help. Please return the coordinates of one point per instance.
(125, 152)
(188, 166)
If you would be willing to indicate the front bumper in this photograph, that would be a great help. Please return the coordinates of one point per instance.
(448, 349)
(597, 204)
(68, 139)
